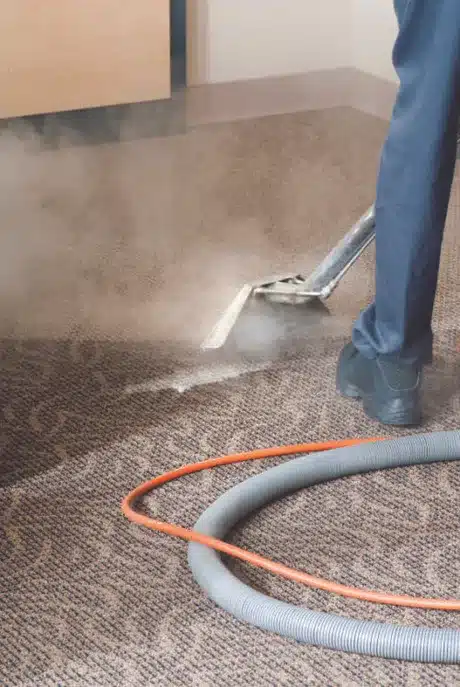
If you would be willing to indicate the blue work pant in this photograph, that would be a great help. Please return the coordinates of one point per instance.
(414, 182)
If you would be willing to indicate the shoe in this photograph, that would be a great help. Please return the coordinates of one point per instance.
(390, 391)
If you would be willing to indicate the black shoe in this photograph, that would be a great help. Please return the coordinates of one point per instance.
(390, 391)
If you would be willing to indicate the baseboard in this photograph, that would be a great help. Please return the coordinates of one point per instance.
(212, 103)
(209, 104)
(371, 94)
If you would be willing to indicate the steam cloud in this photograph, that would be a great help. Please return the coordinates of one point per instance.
(144, 238)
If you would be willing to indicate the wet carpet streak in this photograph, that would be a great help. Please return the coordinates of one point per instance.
(89, 599)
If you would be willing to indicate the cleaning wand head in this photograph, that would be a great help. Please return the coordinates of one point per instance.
(295, 289)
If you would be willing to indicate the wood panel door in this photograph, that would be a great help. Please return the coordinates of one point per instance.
(70, 54)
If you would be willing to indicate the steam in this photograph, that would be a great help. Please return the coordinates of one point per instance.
(144, 238)
(121, 240)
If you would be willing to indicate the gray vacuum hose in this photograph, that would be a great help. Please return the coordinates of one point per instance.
(307, 626)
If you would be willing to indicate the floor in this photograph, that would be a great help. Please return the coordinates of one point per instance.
(118, 259)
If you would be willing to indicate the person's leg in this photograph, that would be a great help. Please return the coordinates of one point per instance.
(416, 172)
(393, 337)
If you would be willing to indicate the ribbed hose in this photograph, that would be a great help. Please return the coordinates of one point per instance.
(312, 627)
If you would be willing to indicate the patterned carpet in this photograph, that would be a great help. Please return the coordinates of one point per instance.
(89, 599)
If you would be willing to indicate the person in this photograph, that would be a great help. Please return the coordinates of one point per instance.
(392, 339)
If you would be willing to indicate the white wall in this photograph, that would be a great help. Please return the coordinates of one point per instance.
(374, 30)
(234, 40)
(257, 38)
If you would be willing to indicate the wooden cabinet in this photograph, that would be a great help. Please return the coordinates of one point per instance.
(69, 54)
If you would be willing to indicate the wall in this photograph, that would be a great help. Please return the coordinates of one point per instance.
(232, 40)
(373, 33)
(256, 38)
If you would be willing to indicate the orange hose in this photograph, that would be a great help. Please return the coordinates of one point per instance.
(255, 559)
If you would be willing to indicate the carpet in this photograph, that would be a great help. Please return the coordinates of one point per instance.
(100, 392)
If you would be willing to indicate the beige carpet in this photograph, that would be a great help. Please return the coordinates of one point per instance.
(108, 239)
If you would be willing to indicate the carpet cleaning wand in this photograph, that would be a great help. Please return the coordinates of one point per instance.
(297, 289)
